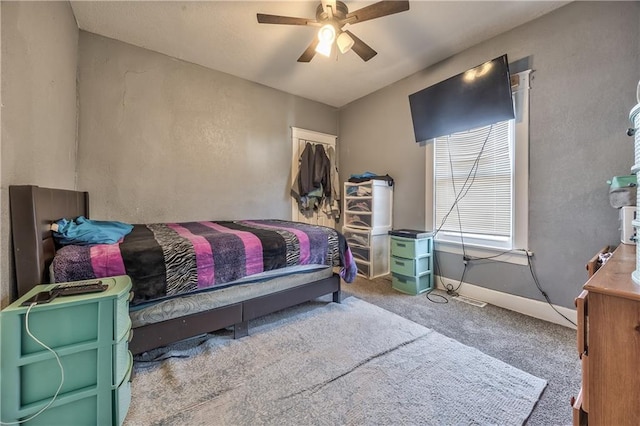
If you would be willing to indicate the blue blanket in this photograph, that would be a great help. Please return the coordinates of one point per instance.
(82, 231)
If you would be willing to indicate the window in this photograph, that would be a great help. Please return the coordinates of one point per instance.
(480, 192)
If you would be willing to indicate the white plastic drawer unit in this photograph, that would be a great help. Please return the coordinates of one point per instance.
(367, 221)
(368, 205)
(357, 237)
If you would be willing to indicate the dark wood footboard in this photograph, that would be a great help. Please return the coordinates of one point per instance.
(237, 315)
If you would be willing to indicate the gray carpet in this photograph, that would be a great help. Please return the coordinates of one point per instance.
(538, 347)
(353, 363)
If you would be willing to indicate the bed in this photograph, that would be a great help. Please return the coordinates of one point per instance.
(160, 314)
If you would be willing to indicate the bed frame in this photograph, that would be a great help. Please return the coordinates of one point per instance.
(34, 209)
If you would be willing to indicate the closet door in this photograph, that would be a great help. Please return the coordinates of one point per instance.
(299, 139)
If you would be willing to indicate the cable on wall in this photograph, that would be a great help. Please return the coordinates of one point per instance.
(544, 294)
(466, 186)
(451, 291)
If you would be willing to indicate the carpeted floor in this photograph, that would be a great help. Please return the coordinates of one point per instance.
(320, 363)
(543, 349)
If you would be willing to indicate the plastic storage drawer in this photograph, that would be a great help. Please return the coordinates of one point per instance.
(121, 360)
(359, 205)
(363, 268)
(358, 220)
(412, 285)
(410, 267)
(122, 396)
(411, 248)
(361, 253)
(356, 237)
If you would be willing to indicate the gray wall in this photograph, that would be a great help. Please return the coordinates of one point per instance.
(165, 140)
(586, 62)
(38, 140)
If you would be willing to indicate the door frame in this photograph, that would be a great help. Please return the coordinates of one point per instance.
(298, 134)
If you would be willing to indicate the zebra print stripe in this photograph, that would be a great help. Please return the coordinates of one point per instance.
(180, 259)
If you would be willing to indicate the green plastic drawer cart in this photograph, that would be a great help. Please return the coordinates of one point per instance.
(412, 264)
(89, 333)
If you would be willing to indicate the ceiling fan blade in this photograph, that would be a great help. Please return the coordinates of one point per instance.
(284, 20)
(310, 52)
(376, 10)
(361, 48)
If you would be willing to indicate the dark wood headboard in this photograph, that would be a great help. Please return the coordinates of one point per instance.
(33, 210)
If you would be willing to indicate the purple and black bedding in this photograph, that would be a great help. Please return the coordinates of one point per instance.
(171, 259)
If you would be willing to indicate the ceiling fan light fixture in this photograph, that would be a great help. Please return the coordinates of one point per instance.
(345, 42)
(324, 48)
(327, 34)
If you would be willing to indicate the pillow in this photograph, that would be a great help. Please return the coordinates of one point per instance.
(83, 231)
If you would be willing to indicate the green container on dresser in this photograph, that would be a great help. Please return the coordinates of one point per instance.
(412, 264)
(90, 335)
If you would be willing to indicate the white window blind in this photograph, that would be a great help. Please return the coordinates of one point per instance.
(492, 189)
(474, 182)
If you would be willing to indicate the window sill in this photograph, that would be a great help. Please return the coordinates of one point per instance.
(517, 257)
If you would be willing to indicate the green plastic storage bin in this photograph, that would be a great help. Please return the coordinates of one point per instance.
(623, 191)
(412, 285)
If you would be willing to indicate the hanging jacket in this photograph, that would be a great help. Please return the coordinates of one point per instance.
(306, 171)
(321, 170)
(332, 202)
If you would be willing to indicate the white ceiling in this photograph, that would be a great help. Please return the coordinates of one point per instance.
(225, 36)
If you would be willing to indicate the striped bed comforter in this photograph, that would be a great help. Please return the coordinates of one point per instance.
(169, 259)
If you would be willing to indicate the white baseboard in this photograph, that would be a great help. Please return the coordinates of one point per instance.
(533, 308)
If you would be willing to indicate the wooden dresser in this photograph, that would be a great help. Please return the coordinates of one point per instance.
(609, 344)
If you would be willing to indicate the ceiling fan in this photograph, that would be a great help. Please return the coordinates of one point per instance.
(333, 18)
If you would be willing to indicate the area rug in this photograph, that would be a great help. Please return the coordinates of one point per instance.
(338, 364)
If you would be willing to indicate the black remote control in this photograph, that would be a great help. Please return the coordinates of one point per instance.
(84, 288)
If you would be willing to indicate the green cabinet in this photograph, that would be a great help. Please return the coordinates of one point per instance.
(412, 264)
(89, 335)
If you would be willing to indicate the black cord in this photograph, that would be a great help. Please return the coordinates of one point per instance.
(473, 172)
(492, 256)
(465, 188)
(535, 280)
(453, 292)
(442, 298)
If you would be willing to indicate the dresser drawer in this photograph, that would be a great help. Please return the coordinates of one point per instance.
(410, 267)
(410, 248)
